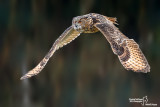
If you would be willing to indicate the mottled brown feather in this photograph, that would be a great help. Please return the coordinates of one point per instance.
(127, 50)
(136, 60)
(67, 36)
(113, 19)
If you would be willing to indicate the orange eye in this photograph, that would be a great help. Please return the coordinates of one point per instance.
(79, 21)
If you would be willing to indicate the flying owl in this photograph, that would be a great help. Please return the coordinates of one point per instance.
(127, 50)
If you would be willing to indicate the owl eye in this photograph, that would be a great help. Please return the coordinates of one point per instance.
(79, 21)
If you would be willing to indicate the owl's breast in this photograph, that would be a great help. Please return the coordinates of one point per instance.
(90, 30)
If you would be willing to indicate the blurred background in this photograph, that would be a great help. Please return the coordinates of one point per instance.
(85, 73)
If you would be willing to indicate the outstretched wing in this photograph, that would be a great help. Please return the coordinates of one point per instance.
(66, 37)
(127, 50)
(133, 58)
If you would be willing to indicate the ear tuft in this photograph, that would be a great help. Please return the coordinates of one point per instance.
(113, 19)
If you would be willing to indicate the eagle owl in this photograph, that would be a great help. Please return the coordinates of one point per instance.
(127, 50)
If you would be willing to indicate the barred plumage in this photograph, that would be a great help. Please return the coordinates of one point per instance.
(126, 49)
(69, 35)
(135, 60)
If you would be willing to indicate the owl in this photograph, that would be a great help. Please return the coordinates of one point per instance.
(127, 50)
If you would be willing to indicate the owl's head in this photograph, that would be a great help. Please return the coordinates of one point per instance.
(84, 24)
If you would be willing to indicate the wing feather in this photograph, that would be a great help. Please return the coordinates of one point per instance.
(66, 37)
(133, 58)
(127, 50)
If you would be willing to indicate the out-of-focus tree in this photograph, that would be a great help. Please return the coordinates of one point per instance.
(84, 73)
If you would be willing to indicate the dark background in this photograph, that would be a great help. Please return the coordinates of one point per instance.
(85, 73)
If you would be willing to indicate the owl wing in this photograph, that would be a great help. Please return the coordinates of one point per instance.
(128, 51)
(66, 37)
